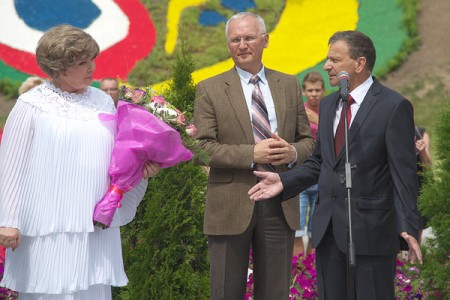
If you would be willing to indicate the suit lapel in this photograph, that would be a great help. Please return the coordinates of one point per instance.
(327, 121)
(277, 89)
(237, 101)
(363, 111)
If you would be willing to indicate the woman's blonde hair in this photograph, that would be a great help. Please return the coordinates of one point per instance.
(60, 48)
(30, 83)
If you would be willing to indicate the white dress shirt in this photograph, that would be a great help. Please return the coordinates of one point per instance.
(358, 95)
(265, 90)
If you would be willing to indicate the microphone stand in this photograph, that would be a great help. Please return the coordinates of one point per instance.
(351, 259)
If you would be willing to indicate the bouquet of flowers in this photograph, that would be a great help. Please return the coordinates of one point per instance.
(148, 129)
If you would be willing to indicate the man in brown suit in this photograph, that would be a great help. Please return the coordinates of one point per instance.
(225, 119)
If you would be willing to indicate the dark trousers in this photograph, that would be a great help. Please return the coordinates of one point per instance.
(374, 275)
(272, 243)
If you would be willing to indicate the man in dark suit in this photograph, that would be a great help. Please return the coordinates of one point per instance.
(224, 116)
(383, 174)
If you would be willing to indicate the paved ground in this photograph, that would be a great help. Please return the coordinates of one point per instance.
(432, 58)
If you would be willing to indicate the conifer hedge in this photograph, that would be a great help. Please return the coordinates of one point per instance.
(434, 204)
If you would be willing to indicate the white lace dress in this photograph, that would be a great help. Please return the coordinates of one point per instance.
(54, 161)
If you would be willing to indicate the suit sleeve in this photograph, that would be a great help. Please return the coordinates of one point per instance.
(402, 164)
(304, 142)
(235, 156)
(303, 176)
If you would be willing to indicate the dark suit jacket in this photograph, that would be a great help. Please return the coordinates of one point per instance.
(384, 179)
(225, 132)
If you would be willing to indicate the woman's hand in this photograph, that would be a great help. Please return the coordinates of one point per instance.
(151, 169)
(9, 237)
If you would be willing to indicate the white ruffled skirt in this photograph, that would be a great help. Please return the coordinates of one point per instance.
(91, 263)
(97, 292)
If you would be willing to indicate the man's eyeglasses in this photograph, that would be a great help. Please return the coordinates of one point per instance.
(249, 39)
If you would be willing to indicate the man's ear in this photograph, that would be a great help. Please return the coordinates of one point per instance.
(266, 40)
(360, 64)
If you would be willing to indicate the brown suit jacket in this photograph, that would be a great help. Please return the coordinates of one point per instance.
(225, 132)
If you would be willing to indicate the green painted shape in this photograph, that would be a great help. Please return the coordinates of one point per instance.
(8, 72)
(382, 22)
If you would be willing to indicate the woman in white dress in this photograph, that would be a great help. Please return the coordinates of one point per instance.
(54, 162)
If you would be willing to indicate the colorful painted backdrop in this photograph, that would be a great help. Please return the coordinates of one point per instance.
(127, 33)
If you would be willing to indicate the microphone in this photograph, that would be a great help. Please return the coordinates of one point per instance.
(343, 83)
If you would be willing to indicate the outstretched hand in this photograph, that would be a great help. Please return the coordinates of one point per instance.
(269, 186)
(414, 248)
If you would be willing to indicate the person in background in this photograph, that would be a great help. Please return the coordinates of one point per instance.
(54, 163)
(423, 164)
(111, 87)
(313, 88)
(383, 178)
(250, 117)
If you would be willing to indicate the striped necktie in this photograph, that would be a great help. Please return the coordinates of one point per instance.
(260, 119)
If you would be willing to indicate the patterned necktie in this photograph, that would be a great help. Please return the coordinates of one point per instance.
(339, 136)
(260, 119)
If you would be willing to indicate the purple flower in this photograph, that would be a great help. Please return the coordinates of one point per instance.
(407, 288)
(294, 291)
(304, 285)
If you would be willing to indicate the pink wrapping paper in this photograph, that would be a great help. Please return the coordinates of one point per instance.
(141, 137)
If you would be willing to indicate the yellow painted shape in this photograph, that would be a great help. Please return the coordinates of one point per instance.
(300, 39)
(174, 11)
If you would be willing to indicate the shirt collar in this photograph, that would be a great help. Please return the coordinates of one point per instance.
(360, 92)
(245, 76)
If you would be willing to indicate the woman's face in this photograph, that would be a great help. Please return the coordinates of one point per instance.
(77, 77)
